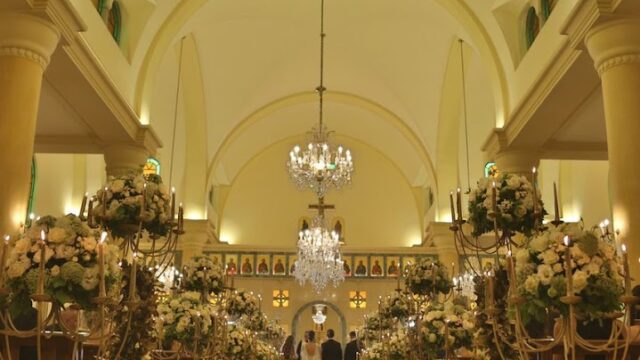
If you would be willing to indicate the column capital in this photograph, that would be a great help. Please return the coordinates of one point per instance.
(28, 37)
(615, 42)
(124, 158)
(517, 161)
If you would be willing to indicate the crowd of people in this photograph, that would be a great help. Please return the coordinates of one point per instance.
(310, 349)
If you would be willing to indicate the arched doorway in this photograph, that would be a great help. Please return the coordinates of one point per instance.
(335, 319)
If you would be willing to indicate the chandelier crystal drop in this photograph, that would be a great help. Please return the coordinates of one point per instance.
(319, 261)
(320, 166)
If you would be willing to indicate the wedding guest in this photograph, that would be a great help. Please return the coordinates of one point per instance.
(287, 349)
(310, 350)
(331, 349)
(353, 347)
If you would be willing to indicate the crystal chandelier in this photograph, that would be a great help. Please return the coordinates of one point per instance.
(319, 260)
(320, 166)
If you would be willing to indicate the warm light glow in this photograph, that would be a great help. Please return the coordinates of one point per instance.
(103, 237)
(624, 248)
(509, 253)
(534, 170)
(43, 236)
(7, 238)
(567, 241)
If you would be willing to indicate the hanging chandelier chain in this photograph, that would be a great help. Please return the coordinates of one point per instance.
(464, 102)
(320, 89)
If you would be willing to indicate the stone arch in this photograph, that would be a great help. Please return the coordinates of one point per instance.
(335, 308)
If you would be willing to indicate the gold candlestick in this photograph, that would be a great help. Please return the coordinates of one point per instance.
(180, 218)
(103, 289)
(104, 201)
(83, 205)
(459, 203)
(627, 275)
(173, 204)
(453, 211)
(90, 213)
(567, 265)
(43, 237)
(132, 276)
(556, 206)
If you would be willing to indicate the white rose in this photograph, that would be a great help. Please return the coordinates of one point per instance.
(531, 284)
(539, 243)
(90, 243)
(18, 268)
(513, 182)
(55, 271)
(579, 281)
(117, 186)
(545, 273)
(557, 268)
(549, 257)
(57, 235)
(22, 246)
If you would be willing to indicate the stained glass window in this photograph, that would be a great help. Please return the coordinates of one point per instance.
(151, 167)
(532, 26)
(490, 169)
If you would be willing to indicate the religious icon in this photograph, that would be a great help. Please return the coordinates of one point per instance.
(361, 266)
(393, 266)
(279, 266)
(347, 265)
(407, 261)
(376, 268)
(247, 265)
(263, 266)
(292, 263)
(216, 258)
(231, 264)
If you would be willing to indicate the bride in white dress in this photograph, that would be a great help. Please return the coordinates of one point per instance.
(310, 350)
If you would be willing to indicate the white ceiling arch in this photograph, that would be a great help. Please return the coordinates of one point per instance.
(291, 116)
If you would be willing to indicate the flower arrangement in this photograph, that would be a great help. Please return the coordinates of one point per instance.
(395, 347)
(242, 303)
(177, 317)
(514, 205)
(265, 351)
(136, 338)
(450, 319)
(201, 274)
(239, 344)
(374, 352)
(254, 321)
(121, 200)
(396, 305)
(540, 270)
(71, 264)
(375, 322)
(428, 277)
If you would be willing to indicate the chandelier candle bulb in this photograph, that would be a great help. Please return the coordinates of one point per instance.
(101, 245)
(453, 210)
(567, 265)
(83, 204)
(627, 275)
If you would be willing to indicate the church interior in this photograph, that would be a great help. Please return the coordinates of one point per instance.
(213, 108)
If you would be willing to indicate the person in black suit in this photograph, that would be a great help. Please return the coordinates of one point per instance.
(353, 348)
(331, 349)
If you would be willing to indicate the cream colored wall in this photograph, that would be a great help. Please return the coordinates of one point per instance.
(263, 205)
(62, 180)
(583, 189)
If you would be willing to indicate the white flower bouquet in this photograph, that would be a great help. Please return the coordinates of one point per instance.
(448, 319)
(183, 316)
(201, 274)
(119, 206)
(514, 205)
(255, 321)
(428, 277)
(540, 272)
(395, 347)
(396, 305)
(71, 264)
(241, 303)
(239, 344)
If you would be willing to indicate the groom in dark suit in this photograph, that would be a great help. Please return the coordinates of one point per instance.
(353, 348)
(331, 349)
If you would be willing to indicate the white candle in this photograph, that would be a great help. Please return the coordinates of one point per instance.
(43, 238)
(459, 201)
(173, 203)
(143, 200)
(83, 205)
(535, 191)
(132, 276)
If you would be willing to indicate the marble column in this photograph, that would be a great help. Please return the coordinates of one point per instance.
(615, 48)
(26, 45)
(123, 159)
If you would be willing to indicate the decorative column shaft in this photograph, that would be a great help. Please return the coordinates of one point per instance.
(26, 45)
(615, 49)
(123, 159)
(517, 161)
